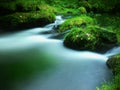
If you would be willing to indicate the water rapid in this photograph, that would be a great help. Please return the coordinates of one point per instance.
(40, 48)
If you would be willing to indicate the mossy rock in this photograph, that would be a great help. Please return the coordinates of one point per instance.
(114, 64)
(78, 21)
(92, 38)
(26, 20)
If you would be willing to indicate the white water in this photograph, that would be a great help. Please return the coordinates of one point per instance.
(74, 70)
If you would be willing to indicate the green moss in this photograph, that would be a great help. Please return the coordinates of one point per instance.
(26, 20)
(67, 11)
(91, 37)
(76, 22)
(111, 22)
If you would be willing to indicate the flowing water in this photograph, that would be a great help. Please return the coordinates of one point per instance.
(35, 59)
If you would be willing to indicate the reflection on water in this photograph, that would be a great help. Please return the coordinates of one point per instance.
(30, 60)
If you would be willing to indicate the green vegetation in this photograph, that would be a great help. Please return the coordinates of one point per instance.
(20, 66)
(114, 64)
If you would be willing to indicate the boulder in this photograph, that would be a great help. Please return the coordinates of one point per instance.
(114, 63)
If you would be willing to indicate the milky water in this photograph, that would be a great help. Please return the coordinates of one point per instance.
(68, 69)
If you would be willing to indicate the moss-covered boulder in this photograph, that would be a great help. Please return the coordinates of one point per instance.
(114, 64)
(92, 38)
(23, 20)
(79, 21)
(21, 14)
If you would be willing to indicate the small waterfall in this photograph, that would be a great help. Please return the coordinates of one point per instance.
(113, 51)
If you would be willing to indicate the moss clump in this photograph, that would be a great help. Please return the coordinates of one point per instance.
(91, 37)
(26, 20)
(78, 21)
(82, 10)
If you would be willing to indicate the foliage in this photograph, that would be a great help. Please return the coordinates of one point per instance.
(76, 22)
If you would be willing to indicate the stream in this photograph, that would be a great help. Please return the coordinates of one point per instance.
(35, 59)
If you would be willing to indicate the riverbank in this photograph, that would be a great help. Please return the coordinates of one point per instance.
(114, 64)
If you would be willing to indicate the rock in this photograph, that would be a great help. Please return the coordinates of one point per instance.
(114, 63)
